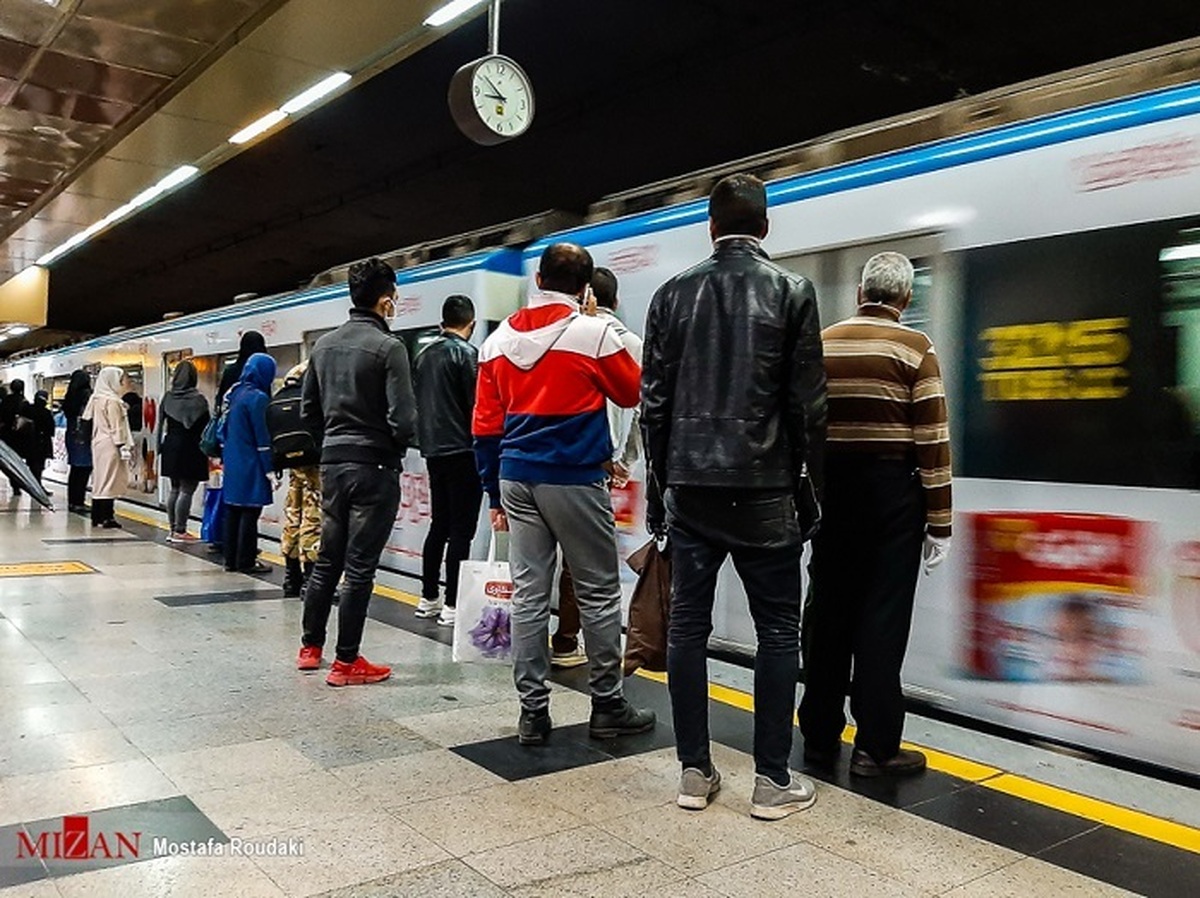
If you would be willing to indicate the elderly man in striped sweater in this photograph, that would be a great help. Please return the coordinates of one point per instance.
(886, 503)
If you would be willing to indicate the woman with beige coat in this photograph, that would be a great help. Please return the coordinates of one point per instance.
(112, 446)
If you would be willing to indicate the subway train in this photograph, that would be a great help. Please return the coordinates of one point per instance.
(1058, 274)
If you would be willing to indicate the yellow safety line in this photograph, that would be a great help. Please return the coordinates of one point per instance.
(1139, 823)
(1127, 819)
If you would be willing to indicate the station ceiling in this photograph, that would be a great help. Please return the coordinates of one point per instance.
(628, 92)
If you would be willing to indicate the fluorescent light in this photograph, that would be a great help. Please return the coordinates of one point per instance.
(451, 10)
(314, 93)
(1180, 253)
(251, 131)
(19, 330)
(174, 179)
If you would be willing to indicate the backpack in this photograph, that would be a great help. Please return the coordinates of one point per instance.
(291, 445)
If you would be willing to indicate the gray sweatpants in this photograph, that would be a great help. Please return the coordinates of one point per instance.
(541, 517)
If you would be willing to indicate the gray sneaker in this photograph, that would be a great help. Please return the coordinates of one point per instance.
(696, 790)
(772, 802)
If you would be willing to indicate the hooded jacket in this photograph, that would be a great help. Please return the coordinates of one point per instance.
(545, 376)
(247, 445)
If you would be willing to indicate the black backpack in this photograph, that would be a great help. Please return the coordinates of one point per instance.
(291, 445)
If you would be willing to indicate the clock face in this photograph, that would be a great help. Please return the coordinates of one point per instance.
(502, 96)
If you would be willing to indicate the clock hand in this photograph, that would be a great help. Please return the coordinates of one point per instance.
(495, 90)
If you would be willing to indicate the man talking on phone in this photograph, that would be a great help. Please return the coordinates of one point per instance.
(542, 443)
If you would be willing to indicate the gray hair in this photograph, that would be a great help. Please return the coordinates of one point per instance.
(887, 277)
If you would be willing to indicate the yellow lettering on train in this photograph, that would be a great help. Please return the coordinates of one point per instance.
(1056, 360)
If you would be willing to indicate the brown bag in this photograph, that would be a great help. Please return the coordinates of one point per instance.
(649, 610)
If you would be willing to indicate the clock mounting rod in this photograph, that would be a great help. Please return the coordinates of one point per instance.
(494, 28)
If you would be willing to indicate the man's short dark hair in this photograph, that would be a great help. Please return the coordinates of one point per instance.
(565, 268)
(738, 205)
(371, 281)
(457, 311)
(604, 286)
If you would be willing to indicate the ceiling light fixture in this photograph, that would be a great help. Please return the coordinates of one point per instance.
(266, 123)
(171, 181)
(1180, 253)
(314, 93)
(450, 11)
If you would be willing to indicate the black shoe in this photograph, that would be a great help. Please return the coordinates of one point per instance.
(216, 549)
(623, 720)
(111, 525)
(825, 757)
(905, 763)
(79, 509)
(257, 568)
(534, 727)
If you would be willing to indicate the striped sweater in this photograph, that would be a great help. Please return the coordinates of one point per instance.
(886, 398)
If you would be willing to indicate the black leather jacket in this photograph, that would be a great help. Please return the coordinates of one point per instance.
(444, 378)
(733, 381)
(358, 399)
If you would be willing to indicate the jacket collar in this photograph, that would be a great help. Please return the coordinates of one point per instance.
(878, 310)
(552, 297)
(739, 243)
(368, 316)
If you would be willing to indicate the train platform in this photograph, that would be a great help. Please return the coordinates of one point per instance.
(156, 739)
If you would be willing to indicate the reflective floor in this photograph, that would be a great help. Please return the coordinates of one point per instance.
(151, 700)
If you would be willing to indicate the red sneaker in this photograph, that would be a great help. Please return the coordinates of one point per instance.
(310, 657)
(358, 673)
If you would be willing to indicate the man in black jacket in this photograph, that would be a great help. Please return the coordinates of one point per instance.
(358, 403)
(445, 386)
(733, 415)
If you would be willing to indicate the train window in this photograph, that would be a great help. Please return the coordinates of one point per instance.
(1081, 358)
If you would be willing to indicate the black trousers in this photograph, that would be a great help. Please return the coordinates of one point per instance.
(358, 511)
(455, 492)
(241, 536)
(760, 532)
(103, 510)
(865, 563)
(77, 482)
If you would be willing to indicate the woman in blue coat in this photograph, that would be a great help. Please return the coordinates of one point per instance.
(247, 461)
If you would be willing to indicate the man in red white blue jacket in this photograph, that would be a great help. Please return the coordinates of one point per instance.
(542, 444)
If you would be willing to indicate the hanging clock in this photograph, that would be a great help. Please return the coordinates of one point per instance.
(491, 100)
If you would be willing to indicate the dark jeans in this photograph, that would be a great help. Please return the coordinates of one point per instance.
(455, 492)
(566, 634)
(179, 503)
(760, 532)
(241, 536)
(865, 563)
(103, 510)
(77, 482)
(358, 505)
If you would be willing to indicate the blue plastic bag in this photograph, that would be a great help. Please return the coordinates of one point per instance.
(214, 507)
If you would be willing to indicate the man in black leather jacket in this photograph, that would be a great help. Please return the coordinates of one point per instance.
(358, 403)
(733, 415)
(445, 387)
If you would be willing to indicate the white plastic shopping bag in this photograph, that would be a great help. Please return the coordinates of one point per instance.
(483, 624)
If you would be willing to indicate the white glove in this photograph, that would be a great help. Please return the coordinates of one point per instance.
(126, 453)
(935, 551)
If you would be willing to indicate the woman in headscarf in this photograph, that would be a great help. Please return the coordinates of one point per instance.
(252, 342)
(184, 414)
(112, 445)
(79, 440)
(248, 463)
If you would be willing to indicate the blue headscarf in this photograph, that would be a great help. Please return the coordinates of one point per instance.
(259, 372)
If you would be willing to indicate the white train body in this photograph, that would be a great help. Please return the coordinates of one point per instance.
(1059, 277)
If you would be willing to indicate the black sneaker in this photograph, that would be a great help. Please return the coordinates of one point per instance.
(623, 720)
(534, 727)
